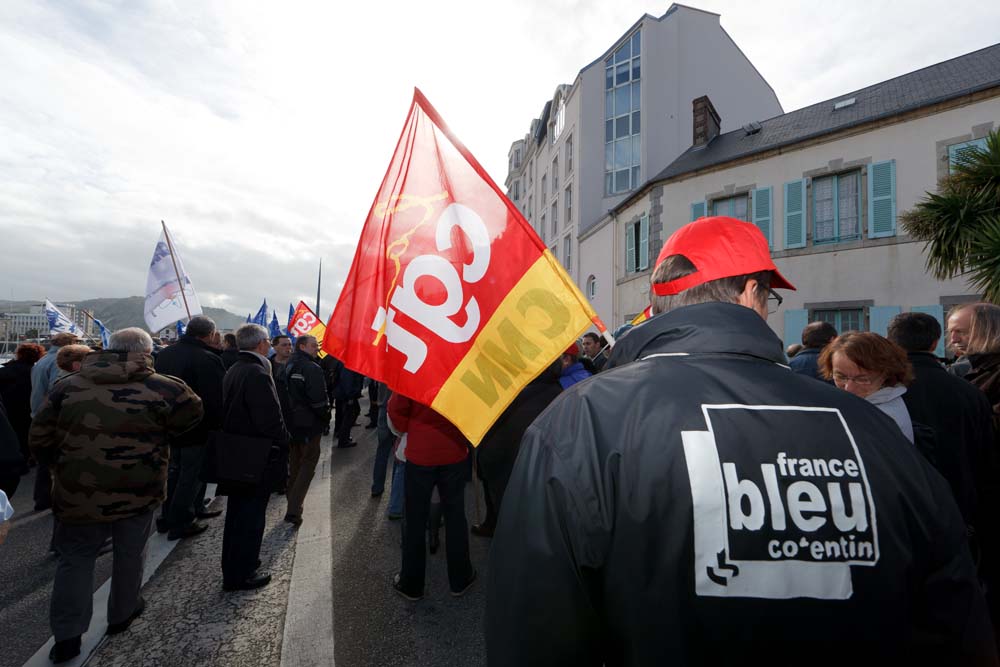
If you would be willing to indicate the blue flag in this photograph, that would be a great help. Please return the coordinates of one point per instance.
(261, 316)
(59, 323)
(105, 334)
(181, 328)
(291, 314)
(275, 327)
(249, 318)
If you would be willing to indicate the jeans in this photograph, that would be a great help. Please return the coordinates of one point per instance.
(397, 494)
(385, 440)
(420, 483)
(73, 588)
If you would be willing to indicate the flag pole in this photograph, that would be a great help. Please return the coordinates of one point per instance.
(87, 313)
(170, 247)
(319, 281)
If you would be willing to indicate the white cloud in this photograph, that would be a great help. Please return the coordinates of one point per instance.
(260, 132)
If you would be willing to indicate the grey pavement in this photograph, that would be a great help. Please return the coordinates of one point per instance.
(340, 565)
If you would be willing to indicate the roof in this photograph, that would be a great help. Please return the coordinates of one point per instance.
(979, 70)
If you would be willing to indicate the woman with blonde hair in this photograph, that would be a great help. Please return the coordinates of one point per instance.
(983, 353)
(873, 368)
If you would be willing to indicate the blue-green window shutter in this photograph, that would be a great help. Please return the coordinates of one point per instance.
(795, 214)
(795, 322)
(697, 210)
(643, 243)
(762, 213)
(938, 313)
(879, 317)
(882, 199)
(630, 248)
(964, 150)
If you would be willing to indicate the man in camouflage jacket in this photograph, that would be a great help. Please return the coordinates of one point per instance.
(104, 430)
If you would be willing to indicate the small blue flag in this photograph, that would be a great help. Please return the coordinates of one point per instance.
(59, 323)
(181, 328)
(105, 334)
(291, 314)
(275, 327)
(249, 319)
(261, 316)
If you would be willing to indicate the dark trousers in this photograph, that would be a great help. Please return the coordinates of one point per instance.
(73, 588)
(419, 485)
(303, 457)
(385, 440)
(185, 490)
(241, 538)
(43, 487)
(348, 410)
(372, 400)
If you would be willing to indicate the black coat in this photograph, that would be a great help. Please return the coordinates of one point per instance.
(12, 464)
(656, 516)
(251, 407)
(307, 398)
(201, 368)
(15, 392)
(498, 450)
(960, 416)
(229, 357)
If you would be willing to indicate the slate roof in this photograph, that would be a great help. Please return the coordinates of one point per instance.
(979, 70)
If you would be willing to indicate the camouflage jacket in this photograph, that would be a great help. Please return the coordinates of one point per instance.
(104, 431)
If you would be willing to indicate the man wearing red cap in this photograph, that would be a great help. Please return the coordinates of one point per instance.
(698, 503)
(572, 370)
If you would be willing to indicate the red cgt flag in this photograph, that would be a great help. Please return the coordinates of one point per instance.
(452, 298)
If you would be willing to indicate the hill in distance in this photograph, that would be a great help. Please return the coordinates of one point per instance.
(125, 312)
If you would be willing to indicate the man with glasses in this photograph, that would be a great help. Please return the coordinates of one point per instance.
(698, 503)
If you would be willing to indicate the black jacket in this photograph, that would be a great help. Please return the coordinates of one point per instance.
(960, 415)
(498, 450)
(655, 516)
(230, 355)
(15, 392)
(307, 399)
(12, 463)
(201, 368)
(251, 407)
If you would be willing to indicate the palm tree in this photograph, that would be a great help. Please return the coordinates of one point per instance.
(960, 223)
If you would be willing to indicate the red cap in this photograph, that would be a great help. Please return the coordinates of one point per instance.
(719, 247)
(573, 350)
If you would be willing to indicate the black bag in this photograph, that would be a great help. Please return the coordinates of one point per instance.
(238, 458)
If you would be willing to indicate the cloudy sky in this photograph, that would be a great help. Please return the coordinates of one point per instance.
(260, 131)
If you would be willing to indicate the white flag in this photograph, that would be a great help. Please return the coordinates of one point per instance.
(164, 301)
(59, 323)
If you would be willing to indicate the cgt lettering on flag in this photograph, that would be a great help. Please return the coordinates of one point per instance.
(305, 323)
(452, 299)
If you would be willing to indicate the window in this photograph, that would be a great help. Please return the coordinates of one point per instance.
(531, 173)
(545, 187)
(569, 154)
(845, 319)
(591, 287)
(531, 206)
(837, 208)
(734, 207)
(517, 158)
(637, 245)
(560, 122)
(622, 97)
(515, 190)
(569, 204)
(963, 151)
(541, 227)
(555, 217)
(568, 253)
(555, 176)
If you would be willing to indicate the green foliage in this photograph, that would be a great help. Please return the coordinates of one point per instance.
(960, 223)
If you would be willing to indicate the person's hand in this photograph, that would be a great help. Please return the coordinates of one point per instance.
(4, 529)
(216, 340)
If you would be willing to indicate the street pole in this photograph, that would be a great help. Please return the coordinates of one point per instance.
(319, 281)
(170, 247)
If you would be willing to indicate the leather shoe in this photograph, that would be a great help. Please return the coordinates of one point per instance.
(482, 530)
(64, 650)
(249, 584)
(189, 530)
(118, 628)
(208, 514)
(465, 589)
(345, 445)
(294, 520)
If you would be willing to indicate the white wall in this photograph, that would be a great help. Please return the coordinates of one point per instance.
(596, 254)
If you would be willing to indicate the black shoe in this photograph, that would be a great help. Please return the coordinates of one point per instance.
(370, 425)
(294, 520)
(345, 445)
(189, 530)
(162, 526)
(377, 494)
(394, 517)
(64, 650)
(118, 628)
(433, 542)
(399, 589)
(482, 530)
(249, 584)
(465, 589)
(209, 514)
(41, 507)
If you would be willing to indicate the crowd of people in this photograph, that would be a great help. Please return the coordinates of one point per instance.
(692, 494)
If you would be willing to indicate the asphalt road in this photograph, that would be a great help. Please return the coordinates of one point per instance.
(372, 624)
(26, 571)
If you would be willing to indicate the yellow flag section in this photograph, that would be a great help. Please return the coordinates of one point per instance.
(305, 323)
(529, 331)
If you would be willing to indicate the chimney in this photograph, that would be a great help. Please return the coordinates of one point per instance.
(706, 121)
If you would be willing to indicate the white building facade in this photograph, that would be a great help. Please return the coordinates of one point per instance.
(626, 116)
(829, 198)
